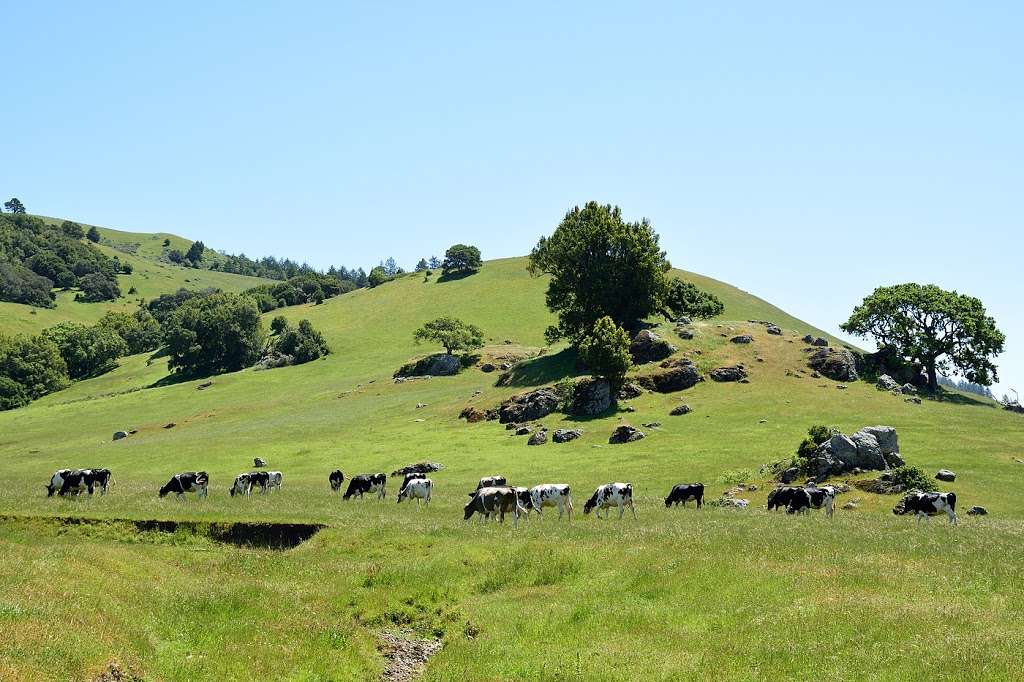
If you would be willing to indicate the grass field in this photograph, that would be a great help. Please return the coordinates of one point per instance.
(678, 593)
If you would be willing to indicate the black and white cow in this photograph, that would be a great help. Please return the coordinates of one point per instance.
(611, 495)
(551, 495)
(497, 500)
(244, 483)
(781, 496)
(491, 482)
(367, 483)
(812, 497)
(927, 505)
(75, 481)
(336, 478)
(411, 477)
(187, 482)
(682, 492)
(417, 489)
(274, 480)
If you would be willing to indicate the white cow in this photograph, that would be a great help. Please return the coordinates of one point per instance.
(417, 489)
(551, 495)
(274, 481)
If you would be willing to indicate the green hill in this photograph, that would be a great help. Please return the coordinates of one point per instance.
(715, 593)
(150, 277)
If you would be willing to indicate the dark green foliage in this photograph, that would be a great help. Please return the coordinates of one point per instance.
(34, 363)
(195, 253)
(97, 287)
(18, 284)
(303, 343)
(422, 265)
(140, 330)
(167, 243)
(15, 205)
(93, 235)
(165, 304)
(216, 333)
(72, 230)
(28, 244)
(452, 333)
(943, 330)
(126, 268)
(434, 263)
(816, 435)
(685, 299)
(391, 268)
(12, 394)
(278, 324)
(311, 287)
(87, 351)
(176, 256)
(605, 351)
(911, 477)
(378, 276)
(461, 258)
(601, 266)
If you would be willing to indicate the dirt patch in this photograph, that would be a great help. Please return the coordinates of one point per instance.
(406, 655)
(115, 673)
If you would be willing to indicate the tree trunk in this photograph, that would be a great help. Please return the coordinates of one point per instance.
(933, 379)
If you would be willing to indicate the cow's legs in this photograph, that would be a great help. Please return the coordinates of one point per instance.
(632, 508)
(952, 516)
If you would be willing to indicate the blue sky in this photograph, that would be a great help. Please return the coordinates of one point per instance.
(806, 152)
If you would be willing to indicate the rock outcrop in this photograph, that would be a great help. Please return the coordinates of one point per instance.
(566, 435)
(538, 438)
(837, 364)
(590, 397)
(625, 433)
(649, 347)
(871, 448)
(438, 365)
(527, 407)
(732, 373)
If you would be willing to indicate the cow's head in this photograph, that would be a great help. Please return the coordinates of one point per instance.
(468, 509)
(590, 504)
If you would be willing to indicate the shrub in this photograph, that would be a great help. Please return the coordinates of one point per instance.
(18, 284)
(12, 394)
(378, 276)
(97, 287)
(685, 299)
(816, 435)
(87, 351)
(605, 351)
(33, 362)
(216, 333)
(303, 343)
(139, 330)
(278, 324)
(452, 333)
(164, 305)
(93, 235)
(72, 230)
(736, 476)
(911, 477)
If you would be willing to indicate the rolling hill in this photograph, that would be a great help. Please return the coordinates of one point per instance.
(715, 593)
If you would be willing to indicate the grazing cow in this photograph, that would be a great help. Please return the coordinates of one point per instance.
(57, 481)
(611, 495)
(336, 478)
(499, 500)
(781, 496)
(805, 499)
(274, 480)
(411, 477)
(683, 492)
(244, 483)
(491, 482)
(417, 489)
(188, 482)
(74, 481)
(927, 505)
(367, 483)
(551, 495)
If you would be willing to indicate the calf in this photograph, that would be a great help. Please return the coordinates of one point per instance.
(336, 478)
(367, 483)
(498, 500)
(683, 492)
(805, 499)
(927, 505)
(490, 482)
(188, 482)
(274, 480)
(611, 495)
(551, 495)
(417, 489)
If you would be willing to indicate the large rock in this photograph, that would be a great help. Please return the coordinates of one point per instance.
(871, 448)
(538, 438)
(625, 433)
(527, 407)
(888, 441)
(685, 334)
(474, 414)
(774, 330)
(789, 475)
(630, 390)
(649, 347)
(820, 341)
(590, 397)
(438, 365)
(680, 410)
(566, 435)
(887, 383)
(838, 364)
(677, 378)
(733, 373)
(119, 435)
(742, 338)
(945, 475)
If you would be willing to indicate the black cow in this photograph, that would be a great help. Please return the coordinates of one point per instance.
(927, 505)
(336, 478)
(367, 483)
(490, 482)
(498, 500)
(682, 492)
(805, 499)
(187, 482)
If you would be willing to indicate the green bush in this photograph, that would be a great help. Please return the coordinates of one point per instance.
(685, 299)
(216, 333)
(98, 287)
(816, 435)
(736, 476)
(303, 343)
(605, 352)
(911, 477)
(87, 351)
(12, 394)
(34, 363)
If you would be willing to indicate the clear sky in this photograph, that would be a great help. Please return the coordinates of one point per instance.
(806, 152)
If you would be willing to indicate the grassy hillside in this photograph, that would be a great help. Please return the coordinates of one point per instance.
(150, 277)
(715, 593)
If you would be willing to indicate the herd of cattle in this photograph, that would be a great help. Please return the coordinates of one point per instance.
(494, 497)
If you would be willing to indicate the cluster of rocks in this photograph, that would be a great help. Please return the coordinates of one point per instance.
(819, 341)
(437, 365)
(887, 383)
(624, 433)
(678, 374)
(772, 328)
(566, 435)
(528, 407)
(871, 448)
(838, 364)
(730, 373)
(649, 347)
(630, 390)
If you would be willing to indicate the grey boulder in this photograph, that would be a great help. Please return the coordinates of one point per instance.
(566, 435)
(625, 433)
(945, 475)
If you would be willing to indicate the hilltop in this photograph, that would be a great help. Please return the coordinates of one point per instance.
(708, 592)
